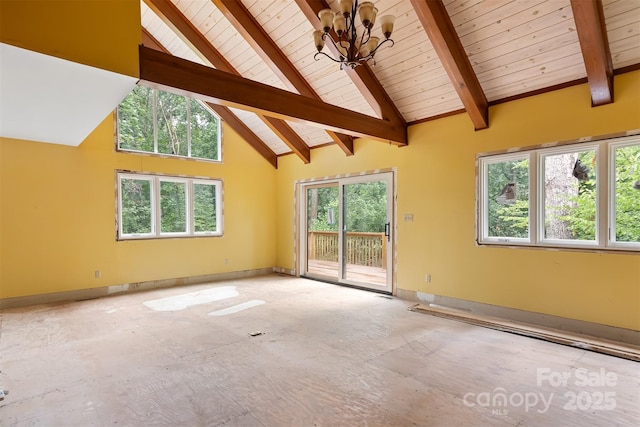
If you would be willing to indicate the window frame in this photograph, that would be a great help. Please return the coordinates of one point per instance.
(484, 201)
(156, 151)
(541, 154)
(605, 237)
(155, 197)
(612, 186)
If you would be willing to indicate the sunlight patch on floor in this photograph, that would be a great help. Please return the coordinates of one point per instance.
(180, 302)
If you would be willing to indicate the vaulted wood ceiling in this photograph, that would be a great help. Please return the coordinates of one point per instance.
(450, 56)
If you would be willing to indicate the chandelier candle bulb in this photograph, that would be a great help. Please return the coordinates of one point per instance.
(354, 44)
(326, 19)
(318, 39)
(345, 7)
(386, 23)
(372, 21)
(366, 14)
(372, 43)
(339, 24)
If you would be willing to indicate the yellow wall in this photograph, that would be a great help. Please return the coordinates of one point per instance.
(100, 33)
(57, 213)
(436, 182)
(57, 216)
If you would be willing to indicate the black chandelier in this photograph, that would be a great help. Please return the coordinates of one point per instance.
(354, 49)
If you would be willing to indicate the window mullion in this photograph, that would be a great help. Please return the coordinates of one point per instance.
(157, 217)
(188, 102)
(534, 195)
(219, 207)
(155, 121)
(540, 197)
(190, 208)
(602, 196)
(484, 206)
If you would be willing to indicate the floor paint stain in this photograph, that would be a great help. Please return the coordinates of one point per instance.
(180, 302)
(237, 308)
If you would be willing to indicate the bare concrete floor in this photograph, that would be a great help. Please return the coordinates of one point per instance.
(328, 356)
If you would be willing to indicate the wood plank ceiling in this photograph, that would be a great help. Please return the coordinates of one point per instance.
(450, 56)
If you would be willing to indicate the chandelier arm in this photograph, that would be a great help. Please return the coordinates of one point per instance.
(353, 34)
(378, 47)
(328, 56)
(362, 40)
(326, 36)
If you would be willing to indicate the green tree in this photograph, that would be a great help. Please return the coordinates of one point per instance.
(508, 220)
(627, 199)
(171, 111)
(366, 207)
(180, 121)
(136, 206)
(322, 209)
(135, 120)
(204, 131)
(173, 207)
(204, 207)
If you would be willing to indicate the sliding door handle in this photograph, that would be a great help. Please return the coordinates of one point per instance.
(387, 231)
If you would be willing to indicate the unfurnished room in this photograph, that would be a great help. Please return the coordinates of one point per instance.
(319, 213)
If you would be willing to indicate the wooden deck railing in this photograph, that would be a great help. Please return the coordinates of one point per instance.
(368, 249)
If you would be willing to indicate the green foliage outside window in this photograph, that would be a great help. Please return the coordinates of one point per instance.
(161, 122)
(322, 208)
(204, 207)
(204, 132)
(171, 111)
(570, 202)
(580, 215)
(136, 206)
(508, 219)
(135, 120)
(156, 206)
(627, 198)
(173, 208)
(366, 206)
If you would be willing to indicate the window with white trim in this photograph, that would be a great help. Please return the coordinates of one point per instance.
(152, 121)
(583, 195)
(152, 206)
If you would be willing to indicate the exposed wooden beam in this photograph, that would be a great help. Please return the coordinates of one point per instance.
(592, 33)
(172, 16)
(362, 76)
(265, 47)
(223, 112)
(166, 72)
(437, 23)
(247, 134)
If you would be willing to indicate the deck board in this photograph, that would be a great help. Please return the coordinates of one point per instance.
(357, 273)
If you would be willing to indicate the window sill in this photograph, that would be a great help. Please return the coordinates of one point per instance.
(561, 248)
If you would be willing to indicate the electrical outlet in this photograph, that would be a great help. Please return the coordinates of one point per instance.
(427, 278)
(226, 261)
(97, 274)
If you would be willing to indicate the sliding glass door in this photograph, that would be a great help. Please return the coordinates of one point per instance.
(322, 252)
(346, 231)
